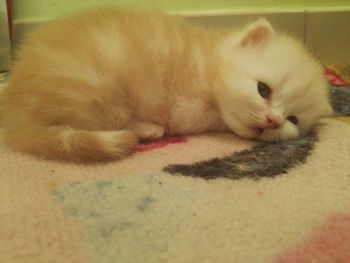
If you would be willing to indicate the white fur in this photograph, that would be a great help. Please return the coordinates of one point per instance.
(294, 76)
(98, 73)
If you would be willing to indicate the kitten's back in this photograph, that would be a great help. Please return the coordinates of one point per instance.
(65, 75)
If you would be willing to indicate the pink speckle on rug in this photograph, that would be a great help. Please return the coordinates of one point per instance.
(330, 243)
(160, 143)
(334, 79)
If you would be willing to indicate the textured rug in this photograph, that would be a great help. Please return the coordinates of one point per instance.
(208, 198)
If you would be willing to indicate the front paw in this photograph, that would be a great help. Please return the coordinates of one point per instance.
(147, 130)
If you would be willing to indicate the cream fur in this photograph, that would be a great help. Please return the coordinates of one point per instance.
(83, 88)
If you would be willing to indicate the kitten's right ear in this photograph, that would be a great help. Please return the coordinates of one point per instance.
(256, 34)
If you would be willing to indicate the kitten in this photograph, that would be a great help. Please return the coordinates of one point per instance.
(88, 87)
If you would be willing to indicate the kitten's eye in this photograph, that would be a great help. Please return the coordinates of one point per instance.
(293, 119)
(264, 90)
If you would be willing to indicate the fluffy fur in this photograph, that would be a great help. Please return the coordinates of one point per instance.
(86, 88)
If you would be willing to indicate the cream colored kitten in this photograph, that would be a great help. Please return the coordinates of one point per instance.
(86, 88)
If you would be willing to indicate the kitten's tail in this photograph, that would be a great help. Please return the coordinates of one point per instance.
(57, 142)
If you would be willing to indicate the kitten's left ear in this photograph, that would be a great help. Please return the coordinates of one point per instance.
(256, 34)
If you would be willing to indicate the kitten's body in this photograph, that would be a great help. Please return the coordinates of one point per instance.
(86, 88)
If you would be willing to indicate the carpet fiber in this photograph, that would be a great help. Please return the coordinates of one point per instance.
(208, 198)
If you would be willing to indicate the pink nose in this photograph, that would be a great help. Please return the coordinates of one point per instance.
(271, 123)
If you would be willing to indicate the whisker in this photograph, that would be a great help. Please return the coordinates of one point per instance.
(253, 115)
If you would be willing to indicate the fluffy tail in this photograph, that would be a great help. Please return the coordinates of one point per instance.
(72, 145)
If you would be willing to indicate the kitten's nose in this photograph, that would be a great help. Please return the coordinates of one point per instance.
(271, 123)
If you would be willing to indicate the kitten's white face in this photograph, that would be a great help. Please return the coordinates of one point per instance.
(273, 89)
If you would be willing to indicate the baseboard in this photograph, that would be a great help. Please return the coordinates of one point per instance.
(324, 30)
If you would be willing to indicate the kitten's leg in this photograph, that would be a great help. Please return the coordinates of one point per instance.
(146, 130)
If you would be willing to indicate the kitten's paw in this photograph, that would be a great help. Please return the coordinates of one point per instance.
(147, 130)
(150, 132)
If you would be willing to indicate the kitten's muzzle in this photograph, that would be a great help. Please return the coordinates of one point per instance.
(272, 123)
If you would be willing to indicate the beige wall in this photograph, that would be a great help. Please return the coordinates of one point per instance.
(321, 24)
(5, 48)
(47, 9)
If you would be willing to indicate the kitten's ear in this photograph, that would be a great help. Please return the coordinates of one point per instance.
(256, 34)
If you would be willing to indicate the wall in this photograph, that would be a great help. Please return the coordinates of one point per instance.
(5, 49)
(46, 9)
(321, 24)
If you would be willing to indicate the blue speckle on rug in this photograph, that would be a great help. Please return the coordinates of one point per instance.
(145, 204)
(105, 210)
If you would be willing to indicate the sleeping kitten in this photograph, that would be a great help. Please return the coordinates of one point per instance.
(88, 87)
